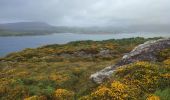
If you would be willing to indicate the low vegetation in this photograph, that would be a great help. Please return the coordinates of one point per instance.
(137, 81)
(61, 72)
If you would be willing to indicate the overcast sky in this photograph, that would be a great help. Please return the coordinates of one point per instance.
(86, 12)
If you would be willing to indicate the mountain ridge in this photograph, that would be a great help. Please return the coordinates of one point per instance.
(41, 28)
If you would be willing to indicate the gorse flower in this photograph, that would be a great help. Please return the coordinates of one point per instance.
(153, 97)
(63, 94)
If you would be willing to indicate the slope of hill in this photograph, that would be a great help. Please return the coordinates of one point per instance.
(61, 72)
(144, 52)
(142, 74)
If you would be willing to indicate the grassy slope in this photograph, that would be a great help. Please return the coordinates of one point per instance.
(43, 70)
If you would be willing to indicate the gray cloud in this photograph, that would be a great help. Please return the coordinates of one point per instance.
(87, 12)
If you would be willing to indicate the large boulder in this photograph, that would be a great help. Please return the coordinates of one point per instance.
(143, 52)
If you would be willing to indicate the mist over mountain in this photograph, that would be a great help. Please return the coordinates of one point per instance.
(42, 27)
(25, 26)
(84, 50)
(114, 15)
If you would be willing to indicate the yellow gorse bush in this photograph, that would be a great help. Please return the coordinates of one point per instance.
(153, 97)
(167, 62)
(141, 74)
(63, 94)
(102, 92)
(32, 98)
(59, 78)
(114, 91)
(133, 82)
(36, 98)
(34, 72)
(118, 86)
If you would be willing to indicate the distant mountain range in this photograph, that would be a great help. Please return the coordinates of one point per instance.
(41, 28)
(25, 26)
(30, 28)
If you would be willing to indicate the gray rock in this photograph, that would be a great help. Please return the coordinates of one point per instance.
(143, 52)
(98, 77)
(105, 53)
(82, 54)
(79, 53)
(65, 55)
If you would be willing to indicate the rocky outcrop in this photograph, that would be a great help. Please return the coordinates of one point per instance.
(143, 52)
(84, 54)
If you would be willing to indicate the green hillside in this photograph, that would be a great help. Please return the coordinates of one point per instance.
(61, 72)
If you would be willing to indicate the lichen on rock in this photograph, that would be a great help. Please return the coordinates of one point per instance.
(143, 52)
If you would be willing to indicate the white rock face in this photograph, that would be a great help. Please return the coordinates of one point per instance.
(146, 51)
(99, 76)
(146, 46)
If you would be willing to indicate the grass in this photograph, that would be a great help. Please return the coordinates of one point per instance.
(163, 94)
(41, 71)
